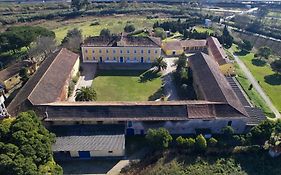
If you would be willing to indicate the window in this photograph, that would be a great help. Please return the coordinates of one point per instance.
(135, 51)
(94, 58)
(93, 51)
(130, 124)
(148, 51)
(141, 51)
(107, 58)
(121, 51)
(128, 51)
(155, 51)
(114, 51)
(135, 59)
(86, 50)
(128, 59)
(114, 59)
(110, 151)
(106, 51)
(87, 58)
(100, 51)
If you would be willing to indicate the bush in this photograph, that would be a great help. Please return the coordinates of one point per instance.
(180, 141)
(200, 143)
(96, 23)
(190, 142)
(159, 138)
(212, 142)
(129, 28)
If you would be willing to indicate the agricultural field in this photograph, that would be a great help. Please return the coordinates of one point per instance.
(269, 81)
(118, 85)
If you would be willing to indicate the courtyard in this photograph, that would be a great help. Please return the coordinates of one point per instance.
(128, 85)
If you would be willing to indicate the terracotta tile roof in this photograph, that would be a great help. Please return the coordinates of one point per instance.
(12, 70)
(33, 86)
(121, 41)
(216, 50)
(172, 45)
(193, 43)
(212, 82)
(51, 84)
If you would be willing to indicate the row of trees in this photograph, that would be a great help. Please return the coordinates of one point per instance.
(25, 146)
(266, 134)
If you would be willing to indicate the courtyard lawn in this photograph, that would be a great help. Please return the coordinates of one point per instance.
(270, 83)
(116, 85)
(202, 29)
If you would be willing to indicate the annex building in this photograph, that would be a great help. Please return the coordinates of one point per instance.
(98, 129)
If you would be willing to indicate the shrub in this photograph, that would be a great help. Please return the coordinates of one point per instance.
(129, 28)
(159, 138)
(190, 142)
(201, 143)
(212, 142)
(96, 23)
(180, 141)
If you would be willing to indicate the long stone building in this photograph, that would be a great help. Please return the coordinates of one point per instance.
(219, 105)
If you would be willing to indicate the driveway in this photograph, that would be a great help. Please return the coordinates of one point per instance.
(169, 87)
(256, 85)
(85, 79)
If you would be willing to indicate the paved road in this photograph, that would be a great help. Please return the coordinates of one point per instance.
(256, 85)
(169, 87)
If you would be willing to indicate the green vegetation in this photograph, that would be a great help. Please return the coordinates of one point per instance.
(85, 94)
(268, 80)
(25, 147)
(159, 138)
(118, 85)
(201, 29)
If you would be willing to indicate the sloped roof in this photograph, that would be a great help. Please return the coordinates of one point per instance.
(212, 82)
(193, 43)
(172, 45)
(33, 87)
(51, 84)
(12, 70)
(121, 41)
(216, 50)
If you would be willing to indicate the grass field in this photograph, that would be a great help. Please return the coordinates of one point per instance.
(126, 85)
(115, 24)
(268, 81)
(201, 29)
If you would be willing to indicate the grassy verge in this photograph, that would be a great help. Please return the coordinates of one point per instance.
(127, 85)
(265, 76)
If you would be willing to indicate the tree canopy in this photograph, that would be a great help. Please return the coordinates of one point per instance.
(86, 94)
(159, 138)
(264, 52)
(25, 146)
(129, 28)
(105, 33)
(276, 66)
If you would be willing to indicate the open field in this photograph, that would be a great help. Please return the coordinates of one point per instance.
(268, 80)
(201, 29)
(126, 85)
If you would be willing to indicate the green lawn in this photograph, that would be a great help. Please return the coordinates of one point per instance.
(201, 29)
(127, 85)
(115, 24)
(263, 73)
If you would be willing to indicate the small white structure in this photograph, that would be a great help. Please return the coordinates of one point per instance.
(3, 110)
(208, 22)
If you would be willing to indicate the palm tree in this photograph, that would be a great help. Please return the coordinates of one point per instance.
(160, 64)
(85, 94)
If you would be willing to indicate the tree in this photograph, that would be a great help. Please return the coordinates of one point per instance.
(264, 52)
(24, 74)
(85, 94)
(79, 4)
(276, 66)
(123, 3)
(226, 39)
(212, 142)
(180, 140)
(190, 142)
(26, 146)
(73, 39)
(129, 28)
(261, 132)
(159, 32)
(246, 46)
(42, 46)
(160, 64)
(201, 143)
(105, 33)
(159, 138)
(181, 62)
(227, 131)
